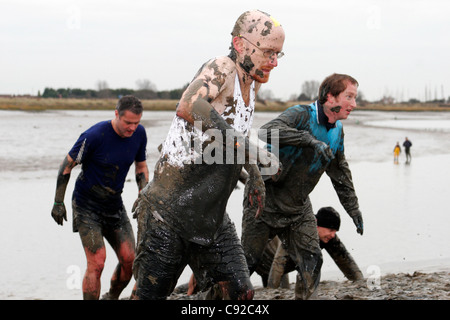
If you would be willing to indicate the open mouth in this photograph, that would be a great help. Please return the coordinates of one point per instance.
(266, 70)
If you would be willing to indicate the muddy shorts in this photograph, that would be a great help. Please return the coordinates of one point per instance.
(92, 227)
(162, 256)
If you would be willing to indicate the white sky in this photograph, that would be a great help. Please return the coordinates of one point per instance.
(395, 47)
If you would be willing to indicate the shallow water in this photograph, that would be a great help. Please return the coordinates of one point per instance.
(403, 206)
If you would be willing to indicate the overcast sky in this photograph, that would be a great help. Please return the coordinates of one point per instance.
(397, 47)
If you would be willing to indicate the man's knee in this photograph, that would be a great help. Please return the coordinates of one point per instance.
(126, 254)
(96, 260)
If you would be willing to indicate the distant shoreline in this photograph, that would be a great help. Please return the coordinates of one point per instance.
(42, 104)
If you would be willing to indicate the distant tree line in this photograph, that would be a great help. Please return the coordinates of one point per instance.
(104, 93)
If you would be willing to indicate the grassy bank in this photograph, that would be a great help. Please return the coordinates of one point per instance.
(36, 104)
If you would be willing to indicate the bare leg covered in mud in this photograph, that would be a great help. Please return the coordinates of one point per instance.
(122, 241)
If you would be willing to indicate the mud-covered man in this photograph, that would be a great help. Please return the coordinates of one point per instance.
(106, 152)
(181, 213)
(311, 142)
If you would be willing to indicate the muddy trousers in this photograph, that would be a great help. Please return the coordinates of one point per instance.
(300, 240)
(162, 256)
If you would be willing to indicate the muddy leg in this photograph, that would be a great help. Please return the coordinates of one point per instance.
(96, 256)
(123, 272)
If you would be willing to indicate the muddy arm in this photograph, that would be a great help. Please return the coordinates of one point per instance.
(343, 259)
(290, 128)
(142, 174)
(341, 179)
(59, 209)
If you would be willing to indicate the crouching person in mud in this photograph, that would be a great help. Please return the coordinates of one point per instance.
(311, 142)
(276, 262)
(106, 151)
(181, 212)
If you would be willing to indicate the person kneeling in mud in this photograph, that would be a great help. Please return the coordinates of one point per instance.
(328, 223)
(311, 142)
(181, 212)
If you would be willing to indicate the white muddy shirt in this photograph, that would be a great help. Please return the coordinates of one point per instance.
(177, 146)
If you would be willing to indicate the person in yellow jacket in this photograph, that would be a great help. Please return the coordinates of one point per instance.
(397, 151)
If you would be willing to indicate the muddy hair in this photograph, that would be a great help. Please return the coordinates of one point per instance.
(235, 33)
(334, 85)
(130, 103)
(238, 30)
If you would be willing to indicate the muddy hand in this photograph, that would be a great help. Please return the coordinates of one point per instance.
(258, 198)
(269, 165)
(133, 210)
(322, 149)
(357, 220)
(59, 213)
(255, 189)
(137, 206)
(277, 175)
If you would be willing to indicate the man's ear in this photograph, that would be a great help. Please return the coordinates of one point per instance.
(238, 44)
(330, 98)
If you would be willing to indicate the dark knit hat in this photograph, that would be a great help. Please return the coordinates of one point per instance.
(327, 217)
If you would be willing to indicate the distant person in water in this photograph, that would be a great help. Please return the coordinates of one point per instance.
(181, 212)
(105, 151)
(407, 144)
(397, 151)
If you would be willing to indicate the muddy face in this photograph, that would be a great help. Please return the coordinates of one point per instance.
(261, 40)
(345, 102)
(336, 109)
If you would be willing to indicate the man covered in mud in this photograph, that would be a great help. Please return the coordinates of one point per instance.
(106, 151)
(311, 142)
(181, 212)
(328, 223)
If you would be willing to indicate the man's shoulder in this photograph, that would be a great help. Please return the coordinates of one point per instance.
(299, 108)
(222, 64)
(98, 127)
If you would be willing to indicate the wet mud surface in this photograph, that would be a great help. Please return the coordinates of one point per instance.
(401, 286)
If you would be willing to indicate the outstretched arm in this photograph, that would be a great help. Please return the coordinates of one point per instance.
(341, 178)
(291, 129)
(59, 209)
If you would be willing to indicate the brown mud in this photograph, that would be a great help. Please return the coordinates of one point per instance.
(401, 286)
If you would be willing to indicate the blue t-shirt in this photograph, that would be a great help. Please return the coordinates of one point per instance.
(106, 159)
